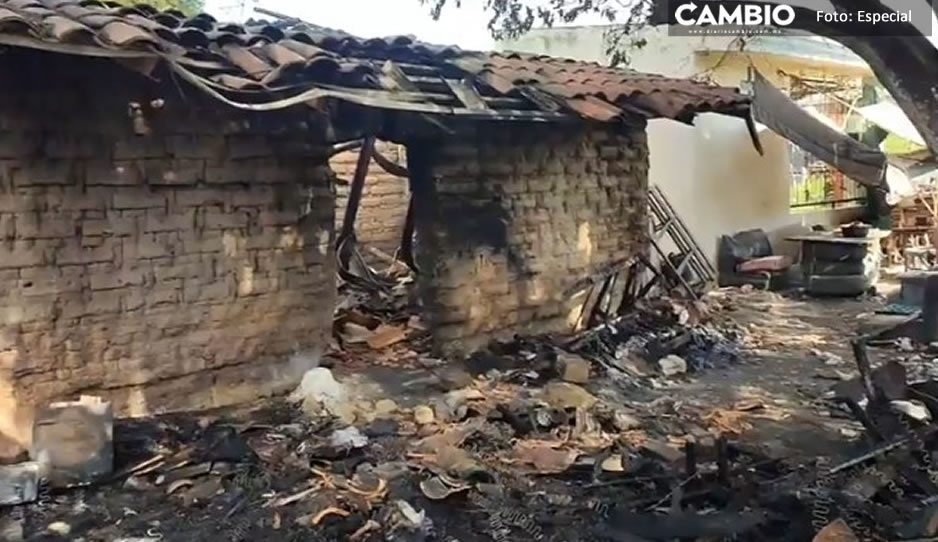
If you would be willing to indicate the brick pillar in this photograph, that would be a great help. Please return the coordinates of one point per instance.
(510, 217)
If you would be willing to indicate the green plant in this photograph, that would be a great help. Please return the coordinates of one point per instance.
(189, 7)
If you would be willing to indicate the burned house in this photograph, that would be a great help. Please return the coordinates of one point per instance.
(167, 206)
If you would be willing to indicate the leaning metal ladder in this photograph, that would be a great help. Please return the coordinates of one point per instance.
(665, 221)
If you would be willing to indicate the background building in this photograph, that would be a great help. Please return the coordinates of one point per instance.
(710, 171)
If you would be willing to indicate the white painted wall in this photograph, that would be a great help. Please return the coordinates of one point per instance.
(710, 172)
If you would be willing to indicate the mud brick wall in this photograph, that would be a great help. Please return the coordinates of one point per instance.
(510, 218)
(383, 208)
(181, 269)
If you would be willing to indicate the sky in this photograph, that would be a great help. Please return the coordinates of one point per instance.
(465, 26)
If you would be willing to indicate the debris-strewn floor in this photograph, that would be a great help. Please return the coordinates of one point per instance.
(705, 421)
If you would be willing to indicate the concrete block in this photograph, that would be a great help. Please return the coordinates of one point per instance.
(127, 198)
(197, 196)
(34, 226)
(45, 173)
(19, 483)
(105, 277)
(73, 441)
(174, 172)
(107, 173)
(118, 226)
(573, 368)
(21, 254)
(218, 221)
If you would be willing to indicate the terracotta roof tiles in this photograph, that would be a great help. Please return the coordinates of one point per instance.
(261, 56)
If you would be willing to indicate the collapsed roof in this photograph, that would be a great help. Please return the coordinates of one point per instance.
(862, 163)
(266, 66)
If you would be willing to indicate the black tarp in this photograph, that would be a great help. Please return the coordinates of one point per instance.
(860, 162)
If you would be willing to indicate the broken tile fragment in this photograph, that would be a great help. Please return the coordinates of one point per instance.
(566, 395)
(662, 450)
(623, 421)
(73, 441)
(60, 528)
(385, 407)
(423, 415)
(836, 531)
(672, 365)
(573, 368)
(913, 409)
(386, 335)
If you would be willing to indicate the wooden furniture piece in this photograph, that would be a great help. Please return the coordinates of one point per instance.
(839, 266)
(913, 222)
(916, 258)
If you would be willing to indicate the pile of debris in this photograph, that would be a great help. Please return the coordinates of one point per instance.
(384, 321)
(675, 337)
(889, 489)
(530, 440)
(494, 460)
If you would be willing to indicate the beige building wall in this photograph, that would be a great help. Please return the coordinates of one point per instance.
(710, 171)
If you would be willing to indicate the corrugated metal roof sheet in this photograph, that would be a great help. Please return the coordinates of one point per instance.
(398, 72)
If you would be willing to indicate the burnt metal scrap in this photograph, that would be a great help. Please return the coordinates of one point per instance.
(889, 489)
(656, 329)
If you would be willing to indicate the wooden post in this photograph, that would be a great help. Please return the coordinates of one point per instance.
(930, 309)
(864, 366)
(355, 191)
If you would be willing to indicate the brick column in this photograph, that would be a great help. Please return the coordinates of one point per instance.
(510, 217)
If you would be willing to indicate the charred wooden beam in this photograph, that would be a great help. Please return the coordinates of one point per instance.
(863, 364)
(389, 165)
(356, 190)
(930, 310)
(396, 78)
(467, 94)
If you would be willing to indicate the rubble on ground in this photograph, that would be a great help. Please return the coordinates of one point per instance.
(534, 439)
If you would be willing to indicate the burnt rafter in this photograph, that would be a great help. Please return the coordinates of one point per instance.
(389, 165)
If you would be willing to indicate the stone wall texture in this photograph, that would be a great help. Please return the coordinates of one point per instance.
(186, 268)
(510, 218)
(383, 208)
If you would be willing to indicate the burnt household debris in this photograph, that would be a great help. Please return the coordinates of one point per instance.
(585, 437)
(542, 357)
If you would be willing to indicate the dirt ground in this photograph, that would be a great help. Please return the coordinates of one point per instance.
(770, 402)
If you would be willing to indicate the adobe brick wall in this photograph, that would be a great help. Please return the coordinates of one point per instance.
(383, 208)
(508, 219)
(183, 269)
